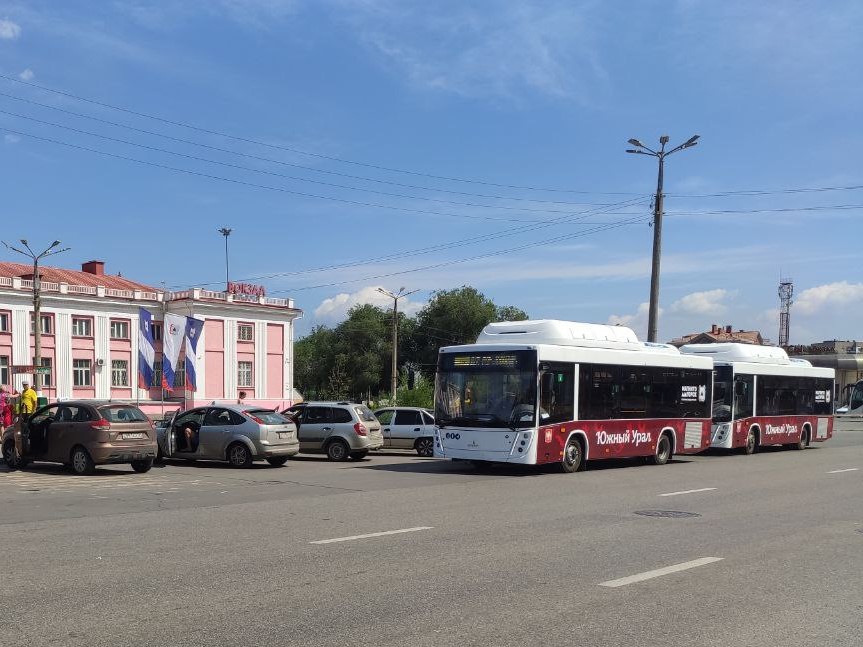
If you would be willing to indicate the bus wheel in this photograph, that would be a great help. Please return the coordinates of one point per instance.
(573, 457)
(751, 445)
(663, 451)
(804, 439)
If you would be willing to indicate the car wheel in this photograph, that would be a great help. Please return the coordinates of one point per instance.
(142, 465)
(11, 456)
(239, 455)
(277, 461)
(81, 462)
(663, 451)
(573, 457)
(751, 445)
(358, 456)
(337, 450)
(425, 447)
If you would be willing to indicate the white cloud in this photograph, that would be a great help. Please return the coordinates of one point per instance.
(709, 302)
(26, 75)
(636, 321)
(335, 309)
(11, 139)
(480, 50)
(831, 296)
(9, 30)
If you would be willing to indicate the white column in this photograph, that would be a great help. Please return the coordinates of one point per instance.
(260, 375)
(62, 368)
(20, 345)
(102, 374)
(288, 352)
(201, 365)
(230, 359)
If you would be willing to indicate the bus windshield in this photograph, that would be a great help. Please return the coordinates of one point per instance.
(491, 389)
(723, 394)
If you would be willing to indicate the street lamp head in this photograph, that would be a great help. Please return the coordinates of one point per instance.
(225, 231)
(54, 244)
(692, 141)
(664, 139)
(24, 242)
(632, 150)
(635, 142)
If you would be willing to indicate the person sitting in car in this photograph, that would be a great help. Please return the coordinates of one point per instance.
(190, 433)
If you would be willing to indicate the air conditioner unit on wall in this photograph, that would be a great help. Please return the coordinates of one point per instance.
(100, 362)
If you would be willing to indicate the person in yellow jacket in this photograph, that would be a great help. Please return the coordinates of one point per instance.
(28, 400)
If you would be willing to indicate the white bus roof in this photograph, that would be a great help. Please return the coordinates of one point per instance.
(730, 352)
(559, 333)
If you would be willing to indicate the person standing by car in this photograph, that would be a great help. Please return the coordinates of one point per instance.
(5, 408)
(28, 401)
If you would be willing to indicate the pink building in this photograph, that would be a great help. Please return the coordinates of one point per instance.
(90, 324)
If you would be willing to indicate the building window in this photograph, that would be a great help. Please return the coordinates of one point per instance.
(82, 327)
(47, 324)
(244, 374)
(245, 332)
(119, 330)
(119, 372)
(180, 377)
(157, 374)
(46, 377)
(156, 329)
(81, 373)
(4, 369)
(4, 322)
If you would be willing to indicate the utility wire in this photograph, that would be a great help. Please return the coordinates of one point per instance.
(273, 173)
(297, 150)
(290, 164)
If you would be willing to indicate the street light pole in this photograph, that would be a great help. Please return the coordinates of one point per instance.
(394, 381)
(225, 231)
(661, 154)
(37, 303)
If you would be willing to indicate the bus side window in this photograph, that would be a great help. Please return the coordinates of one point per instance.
(557, 394)
(743, 396)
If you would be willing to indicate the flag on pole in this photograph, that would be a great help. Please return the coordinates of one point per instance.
(172, 340)
(146, 352)
(194, 327)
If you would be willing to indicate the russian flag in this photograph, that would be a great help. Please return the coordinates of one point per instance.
(146, 352)
(194, 328)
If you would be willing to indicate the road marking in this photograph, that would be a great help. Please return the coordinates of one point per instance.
(850, 469)
(659, 572)
(703, 489)
(371, 534)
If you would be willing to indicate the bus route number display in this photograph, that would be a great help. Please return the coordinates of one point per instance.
(496, 360)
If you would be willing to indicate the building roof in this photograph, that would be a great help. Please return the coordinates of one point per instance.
(720, 334)
(72, 277)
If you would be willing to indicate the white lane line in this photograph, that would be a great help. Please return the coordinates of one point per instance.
(659, 572)
(371, 534)
(703, 489)
(850, 469)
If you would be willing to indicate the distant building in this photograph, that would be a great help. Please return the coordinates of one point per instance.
(90, 322)
(846, 357)
(718, 334)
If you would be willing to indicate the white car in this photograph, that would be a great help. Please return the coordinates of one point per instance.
(407, 428)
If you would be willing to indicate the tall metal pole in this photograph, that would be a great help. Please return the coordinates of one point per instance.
(37, 303)
(226, 231)
(394, 378)
(661, 154)
(653, 314)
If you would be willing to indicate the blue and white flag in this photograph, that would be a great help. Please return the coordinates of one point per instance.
(146, 352)
(172, 340)
(194, 327)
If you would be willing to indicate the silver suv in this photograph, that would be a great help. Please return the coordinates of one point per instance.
(341, 430)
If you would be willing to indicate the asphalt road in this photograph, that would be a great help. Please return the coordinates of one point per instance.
(202, 554)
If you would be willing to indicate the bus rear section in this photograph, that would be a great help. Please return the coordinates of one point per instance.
(762, 397)
(577, 392)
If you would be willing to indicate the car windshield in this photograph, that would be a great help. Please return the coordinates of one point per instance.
(122, 413)
(723, 394)
(493, 389)
(268, 416)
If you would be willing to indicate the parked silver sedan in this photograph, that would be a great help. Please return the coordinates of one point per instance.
(239, 434)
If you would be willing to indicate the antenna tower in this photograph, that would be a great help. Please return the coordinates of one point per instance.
(786, 291)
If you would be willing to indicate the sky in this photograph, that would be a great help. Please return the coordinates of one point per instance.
(356, 144)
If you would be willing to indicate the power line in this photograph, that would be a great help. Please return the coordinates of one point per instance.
(297, 150)
(291, 164)
(587, 232)
(834, 207)
(263, 186)
(569, 219)
(272, 173)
